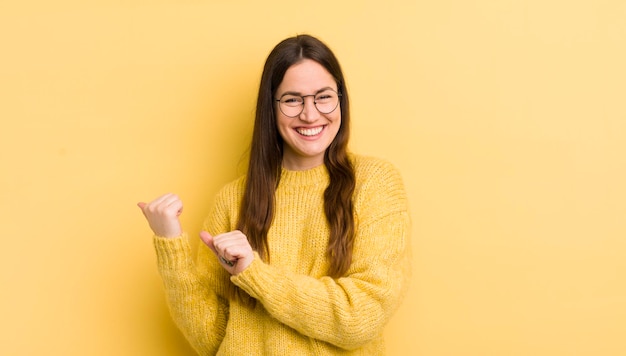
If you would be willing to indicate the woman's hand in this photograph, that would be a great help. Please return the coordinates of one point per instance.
(162, 215)
(232, 250)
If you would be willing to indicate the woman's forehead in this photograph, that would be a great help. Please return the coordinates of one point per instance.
(307, 77)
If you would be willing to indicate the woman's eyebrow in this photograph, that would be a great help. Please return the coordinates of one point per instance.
(300, 94)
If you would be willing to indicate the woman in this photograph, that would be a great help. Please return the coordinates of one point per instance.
(308, 253)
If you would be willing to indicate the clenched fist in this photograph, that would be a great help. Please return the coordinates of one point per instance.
(162, 215)
(232, 249)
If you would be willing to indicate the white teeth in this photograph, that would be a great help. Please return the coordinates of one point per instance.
(309, 132)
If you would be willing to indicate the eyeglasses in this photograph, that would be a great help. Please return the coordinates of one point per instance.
(325, 101)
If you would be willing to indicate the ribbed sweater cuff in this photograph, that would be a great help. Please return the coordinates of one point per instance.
(253, 277)
(173, 253)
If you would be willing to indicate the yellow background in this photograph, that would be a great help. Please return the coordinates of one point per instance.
(507, 120)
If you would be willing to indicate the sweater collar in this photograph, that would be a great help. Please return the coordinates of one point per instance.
(311, 176)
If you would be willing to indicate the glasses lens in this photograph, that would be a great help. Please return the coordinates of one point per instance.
(291, 105)
(326, 101)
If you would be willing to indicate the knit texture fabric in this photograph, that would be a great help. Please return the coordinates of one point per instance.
(299, 310)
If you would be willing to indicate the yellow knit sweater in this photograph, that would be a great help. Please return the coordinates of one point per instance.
(300, 311)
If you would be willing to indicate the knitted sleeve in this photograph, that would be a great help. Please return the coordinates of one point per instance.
(195, 291)
(350, 311)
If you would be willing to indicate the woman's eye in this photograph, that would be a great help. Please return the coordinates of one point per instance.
(292, 100)
(323, 97)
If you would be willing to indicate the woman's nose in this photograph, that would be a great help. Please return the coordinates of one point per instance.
(309, 111)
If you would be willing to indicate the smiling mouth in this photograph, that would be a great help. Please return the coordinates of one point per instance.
(309, 131)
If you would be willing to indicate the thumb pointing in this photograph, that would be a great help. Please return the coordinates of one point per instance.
(208, 240)
(142, 206)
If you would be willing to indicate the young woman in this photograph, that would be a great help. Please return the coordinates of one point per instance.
(308, 253)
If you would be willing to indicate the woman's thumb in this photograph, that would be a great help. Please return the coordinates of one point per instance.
(208, 240)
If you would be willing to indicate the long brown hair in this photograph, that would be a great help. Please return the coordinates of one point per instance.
(266, 154)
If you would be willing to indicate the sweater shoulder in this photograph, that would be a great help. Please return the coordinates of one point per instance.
(368, 161)
(225, 208)
(368, 168)
(231, 192)
(379, 188)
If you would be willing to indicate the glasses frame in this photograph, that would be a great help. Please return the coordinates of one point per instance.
(314, 102)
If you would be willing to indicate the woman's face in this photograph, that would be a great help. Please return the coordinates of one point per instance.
(307, 135)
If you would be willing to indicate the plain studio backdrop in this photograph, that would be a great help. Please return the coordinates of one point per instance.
(506, 119)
